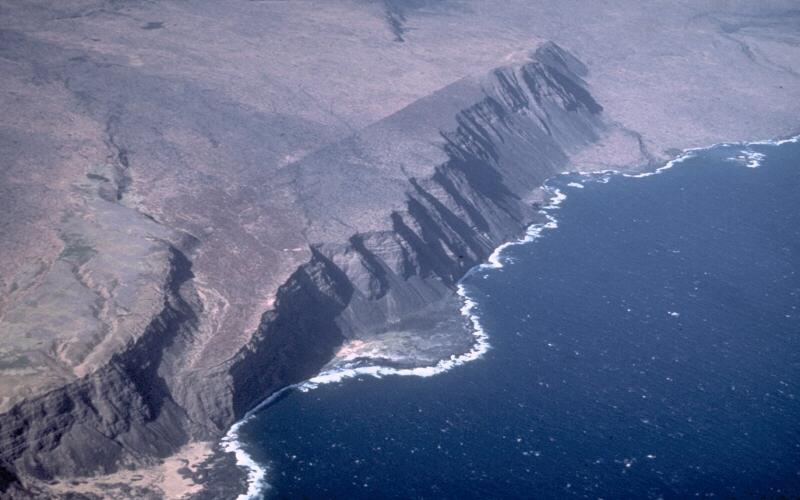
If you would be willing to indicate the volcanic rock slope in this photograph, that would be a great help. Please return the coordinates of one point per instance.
(202, 202)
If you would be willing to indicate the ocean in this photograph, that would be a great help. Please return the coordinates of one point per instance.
(645, 342)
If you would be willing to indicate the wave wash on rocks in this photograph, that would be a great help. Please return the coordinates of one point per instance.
(395, 215)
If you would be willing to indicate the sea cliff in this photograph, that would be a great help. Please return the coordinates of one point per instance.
(398, 213)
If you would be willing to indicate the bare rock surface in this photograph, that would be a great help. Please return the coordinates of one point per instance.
(202, 202)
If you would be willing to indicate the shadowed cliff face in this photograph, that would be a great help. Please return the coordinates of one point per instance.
(492, 141)
(500, 137)
(392, 286)
(295, 339)
(123, 412)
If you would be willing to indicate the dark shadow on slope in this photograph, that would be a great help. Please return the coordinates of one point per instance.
(297, 338)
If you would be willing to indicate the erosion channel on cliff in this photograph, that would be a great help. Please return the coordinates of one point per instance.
(391, 218)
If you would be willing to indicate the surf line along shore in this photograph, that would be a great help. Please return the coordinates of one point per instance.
(257, 482)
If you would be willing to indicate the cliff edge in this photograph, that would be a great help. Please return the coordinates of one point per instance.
(394, 216)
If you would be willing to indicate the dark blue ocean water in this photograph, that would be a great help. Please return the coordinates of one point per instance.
(648, 347)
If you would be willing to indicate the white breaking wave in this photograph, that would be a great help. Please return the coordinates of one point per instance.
(768, 142)
(257, 474)
(750, 158)
(557, 199)
(753, 159)
(479, 348)
(495, 261)
(689, 153)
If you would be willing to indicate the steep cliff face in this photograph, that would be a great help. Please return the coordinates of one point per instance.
(396, 215)
(120, 414)
(384, 276)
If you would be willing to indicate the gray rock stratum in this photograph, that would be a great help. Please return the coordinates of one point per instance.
(202, 202)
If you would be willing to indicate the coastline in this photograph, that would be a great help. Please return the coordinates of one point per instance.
(257, 473)
(257, 482)
(192, 227)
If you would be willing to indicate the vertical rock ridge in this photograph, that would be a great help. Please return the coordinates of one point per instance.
(380, 283)
(389, 283)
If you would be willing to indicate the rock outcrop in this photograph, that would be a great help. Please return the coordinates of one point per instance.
(397, 213)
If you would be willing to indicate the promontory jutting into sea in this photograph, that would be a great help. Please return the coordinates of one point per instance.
(399, 249)
(612, 372)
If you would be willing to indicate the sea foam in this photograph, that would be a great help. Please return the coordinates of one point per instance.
(256, 473)
(751, 159)
(495, 260)
(687, 154)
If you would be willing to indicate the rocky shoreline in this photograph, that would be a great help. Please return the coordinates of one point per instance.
(379, 285)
